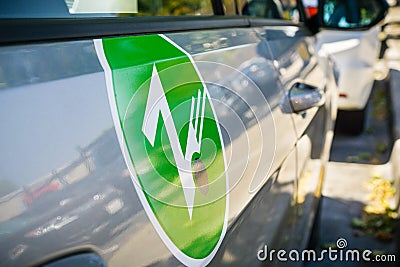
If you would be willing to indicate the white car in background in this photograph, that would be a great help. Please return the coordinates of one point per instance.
(355, 54)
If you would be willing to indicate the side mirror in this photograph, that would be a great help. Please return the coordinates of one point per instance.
(351, 14)
(303, 96)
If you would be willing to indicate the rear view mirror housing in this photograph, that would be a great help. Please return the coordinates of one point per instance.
(351, 14)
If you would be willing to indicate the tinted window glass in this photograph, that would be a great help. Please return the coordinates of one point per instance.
(273, 9)
(230, 7)
(102, 8)
(174, 7)
(350, 13)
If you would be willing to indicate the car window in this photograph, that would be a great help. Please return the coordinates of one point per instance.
(350, 13)
(230, 7)
(102, 8)
(273, 9)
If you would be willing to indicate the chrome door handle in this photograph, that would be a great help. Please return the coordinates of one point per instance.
(303, 96)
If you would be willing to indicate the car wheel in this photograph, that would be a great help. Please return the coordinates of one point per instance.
(351, 122)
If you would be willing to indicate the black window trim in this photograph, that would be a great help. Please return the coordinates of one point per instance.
(14, 31)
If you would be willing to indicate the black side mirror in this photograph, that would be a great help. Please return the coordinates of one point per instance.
(351, 14)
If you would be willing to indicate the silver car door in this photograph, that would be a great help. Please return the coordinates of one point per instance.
(312, 90)
(245, 87)
(75, 185)
(140, 147)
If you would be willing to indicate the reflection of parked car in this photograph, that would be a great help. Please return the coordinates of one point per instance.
(176, 135)
(30, 195)
(73, 220)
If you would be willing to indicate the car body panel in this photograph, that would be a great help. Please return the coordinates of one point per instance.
(296, 61)
(71, 189)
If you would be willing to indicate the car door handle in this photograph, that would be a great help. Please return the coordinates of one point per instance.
(303, 96)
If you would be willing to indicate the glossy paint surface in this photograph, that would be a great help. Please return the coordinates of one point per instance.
(70, 189)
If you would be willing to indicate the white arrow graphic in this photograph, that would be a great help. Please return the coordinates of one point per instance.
(157, 103)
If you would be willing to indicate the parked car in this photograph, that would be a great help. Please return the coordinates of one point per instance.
(355, 54)
(159, 133)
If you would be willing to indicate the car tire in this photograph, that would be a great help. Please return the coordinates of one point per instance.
(351, 122)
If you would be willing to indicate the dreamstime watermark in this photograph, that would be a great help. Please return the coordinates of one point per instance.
(338, 253)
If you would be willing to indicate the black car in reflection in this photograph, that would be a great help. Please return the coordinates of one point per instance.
(86, 213)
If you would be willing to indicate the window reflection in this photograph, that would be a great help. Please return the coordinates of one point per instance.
(174, 7)
(103, 8)
(273, 9)
(350, 13)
